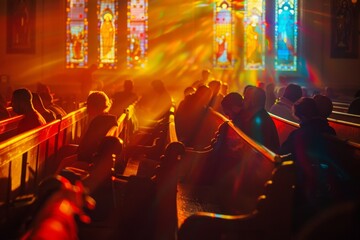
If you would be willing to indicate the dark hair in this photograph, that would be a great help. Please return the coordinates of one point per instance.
(22, 94)
(232, 99)
(293, 92)
(306, 108)
(324, 105)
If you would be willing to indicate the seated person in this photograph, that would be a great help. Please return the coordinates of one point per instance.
(205, 166)
(320, 178)
(122, 99)
(354, 107)
(48, 101)
(101, 122)
(283, 106)
(324, 105)
(22, 105)
(48, 115)
(256, 122)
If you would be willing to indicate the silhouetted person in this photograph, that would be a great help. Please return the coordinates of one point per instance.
(204, 79)
(283, 107)
(99, 123)
(318, 173)
(124, 98)
(324, 105)
(48, 101)
(256, 122)
(48, 115)
(354, 107)
(215, 102)
(214, 161)
(270, 96)
(22, 105)
(191, 114)
(154, 103)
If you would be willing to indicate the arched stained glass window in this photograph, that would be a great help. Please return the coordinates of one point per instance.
(107, 11)
(254, 23)
(76, 34)
(286, 31)
(137, 25)
(223, 34)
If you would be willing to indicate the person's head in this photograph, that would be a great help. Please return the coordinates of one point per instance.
(37, 102)
(232, 104)
(128, 85)
(254, 99)
(215, 85)
(270, 88)
(205, 74)
(21, 101)
(203, 95)
(189, 91)
(305, 108)
(324, 105)
(97, 103)
(293, 92)
(357, 94)
(224, 88)
(158, 86)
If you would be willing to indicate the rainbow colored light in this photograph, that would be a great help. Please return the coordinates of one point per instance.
(137, 27)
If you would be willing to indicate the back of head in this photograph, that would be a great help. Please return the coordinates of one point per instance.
(158, 85)
(305, 109)
(203, 95)
(37, 102)
(215, 85)
(21, 100)
(293, 92)
(232, 99)
(205, 74)
(324, 105)
(98, 102)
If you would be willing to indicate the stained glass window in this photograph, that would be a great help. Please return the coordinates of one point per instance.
(107, 11)
(137, 25)
(76, 34)
(254, 23)
(223, 34)
(286, 35)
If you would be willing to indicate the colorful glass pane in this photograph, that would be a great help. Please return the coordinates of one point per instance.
(76, 34)
(286, 32)
(137, 25)
(107, 33)
(223, 35)
(254, 23)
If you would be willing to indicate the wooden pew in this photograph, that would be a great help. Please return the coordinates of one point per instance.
(270, 220)
(8, 127)
(147, 204)
(26, 159)
(238, 193)
(346, 117)
(344, 130)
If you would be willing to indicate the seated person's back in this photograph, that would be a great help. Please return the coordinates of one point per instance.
(256, 122)
(22, 105)
(95, 133)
